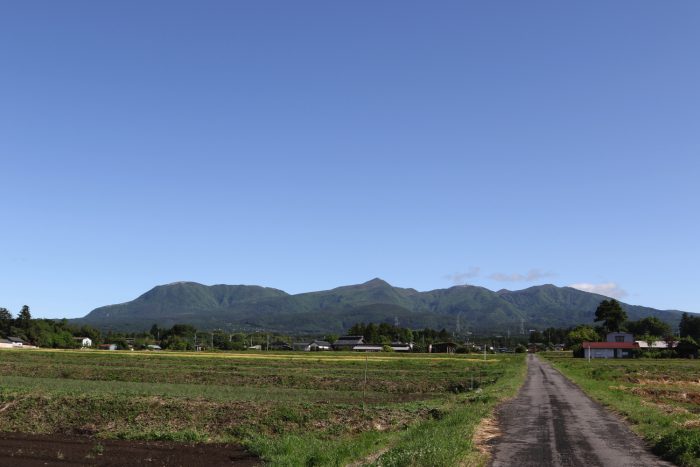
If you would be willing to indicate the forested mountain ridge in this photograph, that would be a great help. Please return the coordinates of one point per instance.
(463, 308)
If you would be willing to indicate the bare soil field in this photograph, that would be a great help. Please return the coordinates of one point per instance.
(334, 408)
(27, 450)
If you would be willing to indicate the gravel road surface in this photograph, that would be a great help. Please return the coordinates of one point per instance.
(553, 423)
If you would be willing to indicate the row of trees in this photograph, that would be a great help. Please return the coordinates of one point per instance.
(385, 333)
(42, 332)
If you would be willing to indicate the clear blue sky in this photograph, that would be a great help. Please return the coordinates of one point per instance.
(306, 145)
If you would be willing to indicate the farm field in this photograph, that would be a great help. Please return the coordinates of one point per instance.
(287, 408)
(659, 397)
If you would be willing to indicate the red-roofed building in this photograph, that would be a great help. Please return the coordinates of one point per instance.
(609, 349)
(618, 345)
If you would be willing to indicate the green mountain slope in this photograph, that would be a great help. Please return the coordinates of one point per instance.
(467, 308)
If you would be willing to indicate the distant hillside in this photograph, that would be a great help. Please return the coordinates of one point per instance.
(467, 307)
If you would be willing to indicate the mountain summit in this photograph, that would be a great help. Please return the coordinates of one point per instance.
(250, 307)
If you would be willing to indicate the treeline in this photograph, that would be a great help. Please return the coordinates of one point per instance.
(187, 337)
(43, 332)
(385, 333)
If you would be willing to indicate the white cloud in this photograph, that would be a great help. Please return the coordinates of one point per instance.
(459, 278)
(609, 289)
(530, 276)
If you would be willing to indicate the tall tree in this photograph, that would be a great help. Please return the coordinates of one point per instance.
(690, 326)
(612, 315)
(5, 320)
(24, 317)
(581, 334)
(651, 325)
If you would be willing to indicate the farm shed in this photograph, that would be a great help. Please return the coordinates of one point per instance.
(280, 345)
(312, 346)
(17, 342)
(401, 347)
(5, 344)
(657, 345)
(321, 345)
(348, 342)
(609, 349)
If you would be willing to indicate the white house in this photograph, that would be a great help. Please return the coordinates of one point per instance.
(5, 344)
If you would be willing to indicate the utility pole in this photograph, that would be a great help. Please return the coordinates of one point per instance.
(364, 387)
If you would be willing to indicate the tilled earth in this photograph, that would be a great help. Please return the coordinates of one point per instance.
(28, 450)
(553, 423)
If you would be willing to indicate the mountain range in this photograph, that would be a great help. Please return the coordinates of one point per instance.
(460, 308)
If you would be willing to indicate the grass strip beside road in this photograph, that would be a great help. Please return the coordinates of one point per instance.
(659, 398)
(447, 439)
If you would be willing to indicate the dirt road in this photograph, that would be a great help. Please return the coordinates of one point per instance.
(553, 423)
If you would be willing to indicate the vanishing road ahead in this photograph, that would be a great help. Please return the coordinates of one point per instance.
(553, 423)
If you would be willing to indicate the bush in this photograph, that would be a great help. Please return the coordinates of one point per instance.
(680, 446)
(687, 348)
(661, 353)
(578, 351)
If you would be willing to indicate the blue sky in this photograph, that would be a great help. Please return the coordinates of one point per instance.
(306, 145)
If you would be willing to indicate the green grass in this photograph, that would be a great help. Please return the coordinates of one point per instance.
(447, 441)
(289, 408)
(660, 399)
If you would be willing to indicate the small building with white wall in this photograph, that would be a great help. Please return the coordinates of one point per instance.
(616, 345)
(656, 345)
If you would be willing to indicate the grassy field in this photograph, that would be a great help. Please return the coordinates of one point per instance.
(289, 408)
(660, 398)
